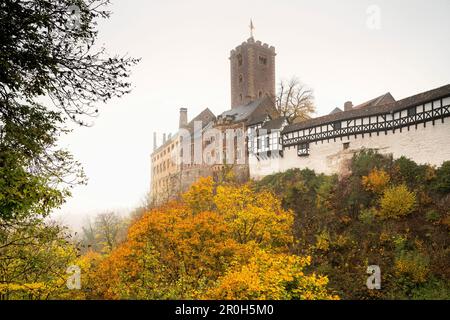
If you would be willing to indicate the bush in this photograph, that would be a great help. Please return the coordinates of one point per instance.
(367, 216)
(409, 172)
(397, 202)
(323, 241)
(366, 160)
(412, 265)
(432, 216)
(433, 289)
(442, 181)
(376, 180)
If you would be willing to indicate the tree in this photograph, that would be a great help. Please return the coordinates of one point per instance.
(255, 217)
(32, 170)
(34, 257)
(47, 48)
(48, 53)
(295, 101)
(397, 202)
(109, 230)
(200, 195)
(181, 249)
(376, 181)
(88, 237)
(273, 277)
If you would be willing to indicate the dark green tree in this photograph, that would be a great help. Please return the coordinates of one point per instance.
(51, 72)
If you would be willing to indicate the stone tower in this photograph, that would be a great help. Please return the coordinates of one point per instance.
(252, 66)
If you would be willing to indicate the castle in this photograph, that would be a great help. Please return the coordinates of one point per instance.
(253, 140)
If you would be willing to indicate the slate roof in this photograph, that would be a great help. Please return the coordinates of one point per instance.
(206, 116)
(274, 124)
(257, 119)
(373, 109)
(378, 101)
(242, 112)
(336, 110)
(252, 113)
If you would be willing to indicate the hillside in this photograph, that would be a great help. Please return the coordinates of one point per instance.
(292, 235)
(391, 213)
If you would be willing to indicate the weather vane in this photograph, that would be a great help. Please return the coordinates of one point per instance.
(251, 28)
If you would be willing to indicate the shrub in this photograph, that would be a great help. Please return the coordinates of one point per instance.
(366, 160)
(397, 202)
(271, 276)
(412, 265)
(433, 289)
(411, 173)
(367, 215)
(442, 181)
(323, 241)
(432, 216)
(376, 181)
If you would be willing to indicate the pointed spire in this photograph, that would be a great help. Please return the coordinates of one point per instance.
(251, 28)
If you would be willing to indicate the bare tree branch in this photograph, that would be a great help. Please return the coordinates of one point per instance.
(295, 100)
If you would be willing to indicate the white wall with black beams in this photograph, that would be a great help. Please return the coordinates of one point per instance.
(419, 132)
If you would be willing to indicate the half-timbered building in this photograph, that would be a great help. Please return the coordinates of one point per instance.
(417, 127)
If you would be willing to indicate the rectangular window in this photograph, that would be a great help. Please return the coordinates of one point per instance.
(262, 60)
(411, 111)
(303, 149)
(337, 125)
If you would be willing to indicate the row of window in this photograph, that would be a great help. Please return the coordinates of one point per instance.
(166, 151)
(163, 166)
(261, 60)
(161, 183)
(337, 125)
(266, 143)
(303, 148)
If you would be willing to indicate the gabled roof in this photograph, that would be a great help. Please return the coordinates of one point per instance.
(242, 112)
(372, 109)
(253, 112)
(378, 101)
(206, 116)
(336, 110)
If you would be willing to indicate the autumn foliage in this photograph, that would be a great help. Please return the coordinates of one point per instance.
(222, 241)
(292, 235)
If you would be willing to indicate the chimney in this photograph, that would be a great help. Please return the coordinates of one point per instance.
(154, 141)
(348, 106)
(183, 117)
(164, 138)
